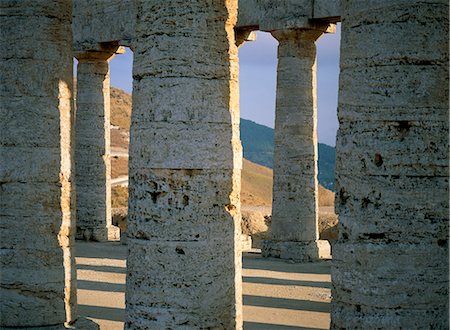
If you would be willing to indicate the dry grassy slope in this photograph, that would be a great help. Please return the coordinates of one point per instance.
(256, 179)
(256, 184)
(120, 108)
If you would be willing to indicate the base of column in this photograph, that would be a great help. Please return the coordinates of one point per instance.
(81, 323)
(110, 233)
(246, 242)
(297, 251)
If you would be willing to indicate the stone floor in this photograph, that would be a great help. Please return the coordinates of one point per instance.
(277, 294)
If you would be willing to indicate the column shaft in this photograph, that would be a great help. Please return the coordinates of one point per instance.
(184, 264)
(294, 228)
(92, 150)
(390, 264)
(36, 261)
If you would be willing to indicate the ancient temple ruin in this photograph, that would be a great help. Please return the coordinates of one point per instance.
(390, 264)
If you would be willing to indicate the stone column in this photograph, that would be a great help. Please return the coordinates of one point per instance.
(184, 263)
(294, 228)
(390, 264)
(37, 273)
(92, 149)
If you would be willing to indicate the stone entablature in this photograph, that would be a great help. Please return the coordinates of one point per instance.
(91, 17)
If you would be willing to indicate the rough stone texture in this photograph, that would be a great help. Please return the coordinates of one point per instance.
(184, 264)
(327, 10)
(270, 15)
(390, 264)
(297, 251)
(100, 21)
(120, 219)
(37, 266)
(92, 150)
(295, 187)
(254, 222)
(119, 16)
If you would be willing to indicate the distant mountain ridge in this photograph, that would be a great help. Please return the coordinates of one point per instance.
(258, 143)
(257, 140)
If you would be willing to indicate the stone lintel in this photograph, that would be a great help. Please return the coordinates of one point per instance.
(98, 51)
(327, 11)
(305, 20)
(301, 251)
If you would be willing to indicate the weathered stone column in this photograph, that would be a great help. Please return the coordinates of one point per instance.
(92, 148)
(184, 263)
(36, 263)
(294, 228)
(390, 264)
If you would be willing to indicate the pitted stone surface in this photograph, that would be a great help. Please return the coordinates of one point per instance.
(100, 21)
(390, 264)
(37, 273)
(184, 264)
(297, 251)
(91, 18)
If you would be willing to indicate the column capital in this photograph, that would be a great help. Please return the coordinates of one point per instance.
(243, 35)
(102, 53)
(286, 35)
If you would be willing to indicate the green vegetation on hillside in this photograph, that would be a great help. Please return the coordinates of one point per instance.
(258, 143)
(257, 140)
(327, 165)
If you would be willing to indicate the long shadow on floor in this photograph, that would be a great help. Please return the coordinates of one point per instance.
(100, 286)
(256, 262)
(103, 313)
(100, 250)
(267, 326)
(98, 268)
(293, 304)
(283, 282)
(250, 262)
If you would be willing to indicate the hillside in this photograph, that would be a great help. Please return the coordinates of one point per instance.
(256, 186)
(256, 179)
(258, 143)
(120, 108)
(257, 140)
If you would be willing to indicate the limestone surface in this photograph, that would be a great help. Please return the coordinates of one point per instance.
(184, 235)
(92, 151)
(295, 187)
(390, 264)
(99, 22)
(37, 220)
(272, 15)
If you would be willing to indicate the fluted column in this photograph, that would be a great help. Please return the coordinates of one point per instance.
(92, 148)
(184, 263)
(37, 273)
(391, 263)
(294, 227)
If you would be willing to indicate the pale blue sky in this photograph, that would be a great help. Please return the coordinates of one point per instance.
(258, 69)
